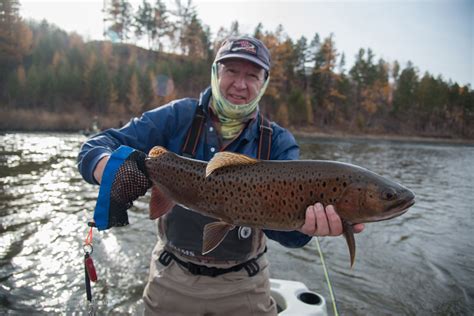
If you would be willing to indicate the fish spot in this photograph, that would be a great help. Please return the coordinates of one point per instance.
(324, 184)
(344, 184)
(321, 195)
(334, 189)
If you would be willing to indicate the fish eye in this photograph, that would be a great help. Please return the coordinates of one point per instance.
(389, 194)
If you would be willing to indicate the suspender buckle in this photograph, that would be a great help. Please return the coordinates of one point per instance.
(268, 128)
(252, 267)
(165, 258)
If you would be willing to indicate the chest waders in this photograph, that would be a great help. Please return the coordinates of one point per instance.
(241, 244)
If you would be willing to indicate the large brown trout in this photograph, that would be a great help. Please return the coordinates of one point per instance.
(241, 191)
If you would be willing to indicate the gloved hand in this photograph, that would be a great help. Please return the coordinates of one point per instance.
(123, 181)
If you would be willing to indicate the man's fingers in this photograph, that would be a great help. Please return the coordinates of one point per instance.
(335, 223)
(309, 225)
(322, 226)
(358, 228)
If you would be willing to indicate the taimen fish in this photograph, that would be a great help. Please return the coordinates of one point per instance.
(241, 191)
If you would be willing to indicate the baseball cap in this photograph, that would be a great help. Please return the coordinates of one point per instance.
(245, 47)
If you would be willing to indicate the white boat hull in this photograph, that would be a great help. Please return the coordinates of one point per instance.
(294, 298)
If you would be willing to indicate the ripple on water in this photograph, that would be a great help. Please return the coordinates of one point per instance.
(419, 263)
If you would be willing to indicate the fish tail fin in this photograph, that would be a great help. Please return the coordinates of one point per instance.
(349, 234)
(160, 204)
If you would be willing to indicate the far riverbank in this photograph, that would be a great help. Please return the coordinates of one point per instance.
(81, 122)
(338, 134)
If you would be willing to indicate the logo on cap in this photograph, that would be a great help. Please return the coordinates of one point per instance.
(245, 46)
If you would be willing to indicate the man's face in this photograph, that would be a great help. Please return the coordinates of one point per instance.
(240, 80)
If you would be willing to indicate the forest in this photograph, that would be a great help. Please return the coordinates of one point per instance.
(54, 80)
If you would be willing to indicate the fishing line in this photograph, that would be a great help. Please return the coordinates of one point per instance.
(326, 275)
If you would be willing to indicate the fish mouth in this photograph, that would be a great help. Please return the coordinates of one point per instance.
(394, 211)
(403, 205)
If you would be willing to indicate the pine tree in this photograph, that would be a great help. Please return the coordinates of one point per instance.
(119, 15)
(161, 24)
(15, 39)
(133, 96)
(405, 95)
(258, 32)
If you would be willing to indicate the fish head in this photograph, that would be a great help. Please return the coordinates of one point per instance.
(372, 198)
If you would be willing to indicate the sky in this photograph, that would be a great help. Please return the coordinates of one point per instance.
(437, 36)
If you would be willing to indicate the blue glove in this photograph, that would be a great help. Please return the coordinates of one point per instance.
(124, 180)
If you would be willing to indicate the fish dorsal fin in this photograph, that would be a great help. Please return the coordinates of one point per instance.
(157, 151)
(226, 159)
(214, 233)
(349, 234)
(159, 203)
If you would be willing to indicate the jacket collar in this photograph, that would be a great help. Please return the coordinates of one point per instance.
(204, 98)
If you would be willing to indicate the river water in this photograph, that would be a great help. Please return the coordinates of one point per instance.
(421, 263)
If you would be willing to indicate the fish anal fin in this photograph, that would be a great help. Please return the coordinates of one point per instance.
(225, 159)
(349, 234)
(159, 203)
(157, 151)
(214, 233)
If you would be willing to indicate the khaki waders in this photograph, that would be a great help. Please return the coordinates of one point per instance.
(173, 290)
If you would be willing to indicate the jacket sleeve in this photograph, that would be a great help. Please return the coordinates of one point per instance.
(142, 133)
(284, 147)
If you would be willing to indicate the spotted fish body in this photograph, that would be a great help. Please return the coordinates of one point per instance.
(242, 191)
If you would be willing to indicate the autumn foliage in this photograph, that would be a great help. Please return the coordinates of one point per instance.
(44, 69)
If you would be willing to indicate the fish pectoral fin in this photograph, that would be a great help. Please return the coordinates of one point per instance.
(159, 203)
(214, 234)
(225, 159)
(349, 234)
(157, 151)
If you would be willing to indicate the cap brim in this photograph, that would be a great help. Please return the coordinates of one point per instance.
(246, 57)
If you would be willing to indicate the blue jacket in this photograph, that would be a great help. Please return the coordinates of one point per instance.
(168, 125)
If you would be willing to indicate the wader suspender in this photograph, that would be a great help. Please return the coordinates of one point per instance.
(192, 138)
(189, 150)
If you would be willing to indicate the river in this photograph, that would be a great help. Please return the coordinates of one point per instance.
(421, 263)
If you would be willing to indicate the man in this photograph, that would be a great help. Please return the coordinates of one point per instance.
(233, 279)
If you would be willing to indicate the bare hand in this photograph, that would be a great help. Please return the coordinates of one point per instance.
(324, 222)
